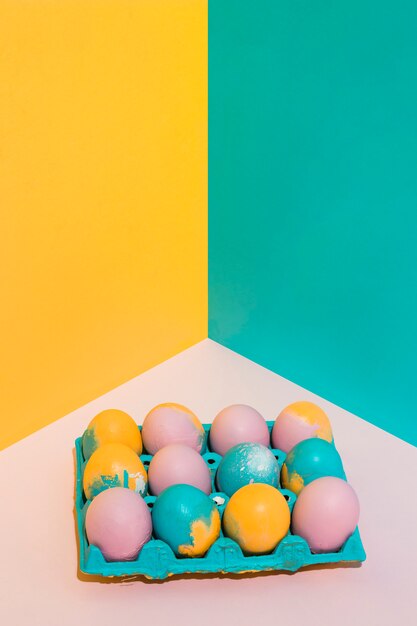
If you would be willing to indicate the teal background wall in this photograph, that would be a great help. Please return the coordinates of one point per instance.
(313, 196)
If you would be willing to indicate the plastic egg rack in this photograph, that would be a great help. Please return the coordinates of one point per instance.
(156, 560)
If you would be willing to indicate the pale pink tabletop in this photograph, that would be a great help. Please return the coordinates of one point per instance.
(39, 583)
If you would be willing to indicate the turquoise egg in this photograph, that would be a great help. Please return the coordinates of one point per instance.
(244, 464)
(308, 460)
(186, 519)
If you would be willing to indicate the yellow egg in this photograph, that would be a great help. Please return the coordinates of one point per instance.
(114, 465)
(257, 517)
(111, 426)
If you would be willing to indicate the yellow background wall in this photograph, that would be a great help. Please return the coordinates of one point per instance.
(103, 197)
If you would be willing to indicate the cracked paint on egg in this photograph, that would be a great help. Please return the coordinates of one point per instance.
(244, 464)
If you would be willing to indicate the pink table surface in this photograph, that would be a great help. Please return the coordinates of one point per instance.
(39, 583)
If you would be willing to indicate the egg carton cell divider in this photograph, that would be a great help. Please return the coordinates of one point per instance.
(156, 560)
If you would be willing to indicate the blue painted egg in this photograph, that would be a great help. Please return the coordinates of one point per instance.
(186, 519)
(308, 460)
(245, 464)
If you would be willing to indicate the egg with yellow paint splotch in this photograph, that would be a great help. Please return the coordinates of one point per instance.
(111, 426)
(172, 423)
(299, 421)
(257, 517)
(114, 465)
(186, 519)
(308, 460)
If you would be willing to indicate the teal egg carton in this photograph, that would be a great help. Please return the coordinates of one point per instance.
(156, 560)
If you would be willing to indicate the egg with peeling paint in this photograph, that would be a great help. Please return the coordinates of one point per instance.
(119, 523)
(244, 464)
(186, 519)
(299, 421)
(114, 465)
(172, 423)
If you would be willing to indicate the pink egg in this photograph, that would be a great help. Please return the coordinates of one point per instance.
(326, 513)
(235, 424)
(118, 522)
(172, 423)
(178, 464)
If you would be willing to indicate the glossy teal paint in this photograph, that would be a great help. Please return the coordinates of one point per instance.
(244, 464)
(313, 196)
(175, 511)
(308, 460)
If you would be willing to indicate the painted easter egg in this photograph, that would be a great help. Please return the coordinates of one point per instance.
(186, 519)
(172, 423)
(299, 421)
(114, 465)
(235, 424)
(111, 426)
(244, 464)
(326, 513)
(178, 464)
(257, 517)
(118, 522)
(308, 460)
